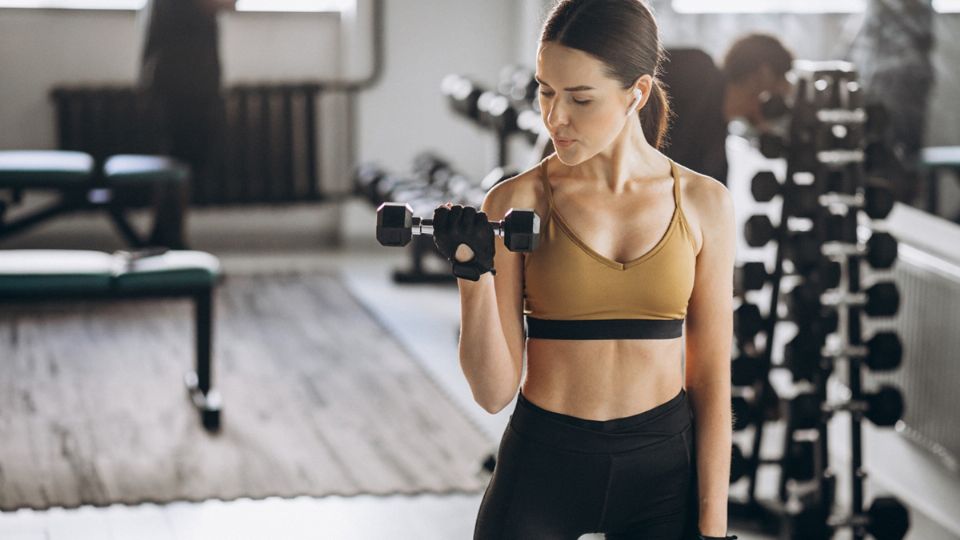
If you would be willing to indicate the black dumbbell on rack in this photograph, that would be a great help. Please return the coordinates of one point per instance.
(797, 462)
(463, 95)
(396, 226)
(884, 408)
(806, 354)
(753, 275)
(807, 301)
(886, 519)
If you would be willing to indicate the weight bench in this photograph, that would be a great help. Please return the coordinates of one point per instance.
(81, 186)
(43, 275)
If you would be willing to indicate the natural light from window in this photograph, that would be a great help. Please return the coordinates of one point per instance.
(790, 6)
(242, 5)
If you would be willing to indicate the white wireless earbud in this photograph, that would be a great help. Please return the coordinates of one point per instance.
(637, 96)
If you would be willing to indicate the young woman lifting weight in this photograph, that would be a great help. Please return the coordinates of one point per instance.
(612, 432)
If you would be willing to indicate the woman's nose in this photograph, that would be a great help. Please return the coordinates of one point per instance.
(556, 115)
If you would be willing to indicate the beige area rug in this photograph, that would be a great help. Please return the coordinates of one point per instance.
(318, 399)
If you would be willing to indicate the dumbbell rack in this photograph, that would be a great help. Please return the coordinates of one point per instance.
(827, 96)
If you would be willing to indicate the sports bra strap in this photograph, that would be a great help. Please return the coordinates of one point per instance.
(546, 185)
(676, 182)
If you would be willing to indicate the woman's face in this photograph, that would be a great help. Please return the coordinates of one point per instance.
(583, 108)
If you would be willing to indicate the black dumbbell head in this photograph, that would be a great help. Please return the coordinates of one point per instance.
(881, 250)
(883, 300)
(889, 519)
(764, 186)
(758, 230)
(878, 200)
(750, 276)
(884, 351)
(746, 369)
(805, 411)
(747, 321)
(738, 464)
(802, 356)
(521, 230)
(885, 407)
(798, 462)
(394, 224)
(772, 146)
(741, 413)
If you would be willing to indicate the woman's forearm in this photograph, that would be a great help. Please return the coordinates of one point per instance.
(491, 369)
(713, 418)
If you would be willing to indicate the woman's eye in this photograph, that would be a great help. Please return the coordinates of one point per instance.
(582, 102)
(545, 93)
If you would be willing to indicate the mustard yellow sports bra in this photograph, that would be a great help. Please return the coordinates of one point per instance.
(573, 292)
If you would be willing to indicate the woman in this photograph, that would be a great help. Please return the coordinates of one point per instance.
(610, 433)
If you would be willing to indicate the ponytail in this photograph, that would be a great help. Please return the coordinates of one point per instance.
(655, 117)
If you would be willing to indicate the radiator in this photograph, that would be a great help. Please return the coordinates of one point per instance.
(272, 144)
(930, 375)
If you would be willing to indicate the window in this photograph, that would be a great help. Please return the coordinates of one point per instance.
(790, 6)
(242, 5)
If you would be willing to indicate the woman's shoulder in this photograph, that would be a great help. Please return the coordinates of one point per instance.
(706, 202)
(524, 190)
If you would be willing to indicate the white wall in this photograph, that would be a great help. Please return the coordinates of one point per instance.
(425, 39)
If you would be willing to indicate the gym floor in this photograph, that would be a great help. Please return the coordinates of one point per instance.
(429, 332)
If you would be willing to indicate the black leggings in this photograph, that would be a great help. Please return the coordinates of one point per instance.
(558, 476)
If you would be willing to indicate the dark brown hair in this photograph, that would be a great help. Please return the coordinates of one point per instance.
(752, 51)
(624, 36)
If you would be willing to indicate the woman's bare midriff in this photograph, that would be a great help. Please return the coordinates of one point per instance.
(602, 379)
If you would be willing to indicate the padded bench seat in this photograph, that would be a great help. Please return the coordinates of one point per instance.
(44, 275)
(33, 169)
(128, 169)
(82, 187)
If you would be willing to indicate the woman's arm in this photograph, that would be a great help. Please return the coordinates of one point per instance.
(491, 318)
(709, 326)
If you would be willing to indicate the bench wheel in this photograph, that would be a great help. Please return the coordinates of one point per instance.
(208, 404)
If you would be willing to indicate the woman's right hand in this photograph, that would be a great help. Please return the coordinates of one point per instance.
(465, 238)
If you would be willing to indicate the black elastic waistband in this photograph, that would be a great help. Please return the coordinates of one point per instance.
(604, 329)
(601, 436)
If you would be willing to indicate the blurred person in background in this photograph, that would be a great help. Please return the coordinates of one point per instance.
(180, 71)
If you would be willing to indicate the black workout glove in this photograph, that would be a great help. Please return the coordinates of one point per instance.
(464, 225)
(731, 537)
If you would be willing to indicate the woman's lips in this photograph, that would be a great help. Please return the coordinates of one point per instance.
(563, 143)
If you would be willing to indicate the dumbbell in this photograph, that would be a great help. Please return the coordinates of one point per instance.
(496, 112)
(802, 354)
(396, 225)
(519, 85)
(801, 357)
(751, 276)
(406, 188)
(805, 354)
(883, 407)
(877, 201)
(431, 167)
(743, 409)
(366, 177)
(797, 462)
(882, 352)
(462, 94)
(806, 300)
(804, 198)
(886, 519)
(748, 322)
(880, 250)
(801, 247)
